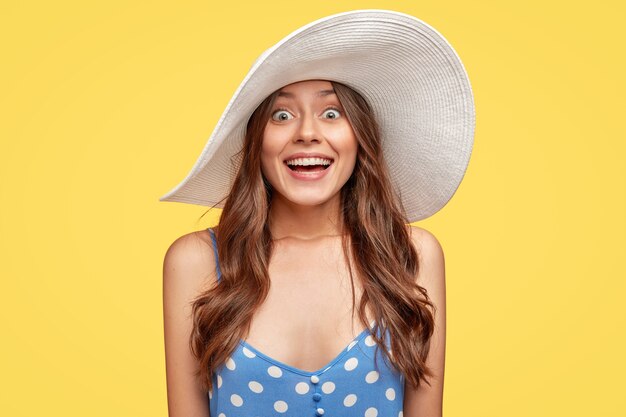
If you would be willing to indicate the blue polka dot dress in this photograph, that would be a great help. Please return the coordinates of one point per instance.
(252, 384)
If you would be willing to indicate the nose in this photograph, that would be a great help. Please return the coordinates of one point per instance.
(308, 130)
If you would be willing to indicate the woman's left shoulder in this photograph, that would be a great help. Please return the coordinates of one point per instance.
(430, 253)
(424, 241)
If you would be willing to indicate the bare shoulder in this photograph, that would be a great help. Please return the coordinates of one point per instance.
(188, 268)
(428, 400)
(190, 260)
(430, 253)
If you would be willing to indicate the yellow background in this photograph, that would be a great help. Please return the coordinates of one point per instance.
(105, 106)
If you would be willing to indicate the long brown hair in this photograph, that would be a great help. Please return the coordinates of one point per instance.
(376, 237)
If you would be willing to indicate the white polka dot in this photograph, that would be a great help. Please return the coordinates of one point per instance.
(230, 364)
(248, 352)
(390, 394)
(400, 414)
(351, 364)
(255, 387)
(371, 377)
(369, 341)
(210, 395)
(328, 387)
(222, 415)
(302, 387)
(219, 381)
(350, 400)
(280, 406)
(236, 400)
(371, 412)
(274, 371)
(351, 345)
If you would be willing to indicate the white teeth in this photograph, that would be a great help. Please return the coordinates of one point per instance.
(309, 161)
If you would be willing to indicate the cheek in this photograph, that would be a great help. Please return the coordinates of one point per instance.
(271, 142)
(265, 161)
(269, 152)
(351, 149)
(349, 144)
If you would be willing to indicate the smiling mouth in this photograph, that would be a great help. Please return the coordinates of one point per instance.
(309, 164)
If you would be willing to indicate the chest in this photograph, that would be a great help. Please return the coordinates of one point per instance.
(306, 319)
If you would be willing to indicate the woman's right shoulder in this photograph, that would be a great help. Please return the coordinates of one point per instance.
(190, 262)
(187, 271)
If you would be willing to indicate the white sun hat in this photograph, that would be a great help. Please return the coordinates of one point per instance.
(410, 75)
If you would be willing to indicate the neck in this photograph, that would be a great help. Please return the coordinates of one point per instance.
(287, 219)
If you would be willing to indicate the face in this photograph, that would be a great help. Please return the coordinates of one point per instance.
(309, 148)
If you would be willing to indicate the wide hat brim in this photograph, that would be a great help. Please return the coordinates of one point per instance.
(412, 78)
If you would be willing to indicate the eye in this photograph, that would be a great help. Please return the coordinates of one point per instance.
(332, 113)
(281, 115)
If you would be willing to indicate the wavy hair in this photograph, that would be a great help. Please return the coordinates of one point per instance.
(376, 237)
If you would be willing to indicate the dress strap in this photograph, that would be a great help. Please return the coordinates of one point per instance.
(217, 262)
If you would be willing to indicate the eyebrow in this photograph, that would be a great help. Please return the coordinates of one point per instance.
(321, 93)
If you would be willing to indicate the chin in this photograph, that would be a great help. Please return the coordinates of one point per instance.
(310, 200)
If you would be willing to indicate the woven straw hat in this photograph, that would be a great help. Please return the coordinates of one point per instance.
(407, 71)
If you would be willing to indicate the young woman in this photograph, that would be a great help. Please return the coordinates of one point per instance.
(313, 296)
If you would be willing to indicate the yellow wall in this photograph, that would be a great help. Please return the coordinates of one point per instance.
(105, 106)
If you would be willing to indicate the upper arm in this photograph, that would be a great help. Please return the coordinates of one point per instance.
(427, 401)
(187, 266)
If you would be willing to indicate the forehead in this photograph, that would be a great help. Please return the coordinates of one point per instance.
(318, 88)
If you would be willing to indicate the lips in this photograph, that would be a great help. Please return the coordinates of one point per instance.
(308, 162)
(301, 171)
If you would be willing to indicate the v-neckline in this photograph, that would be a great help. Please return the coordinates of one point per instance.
(319, 371)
